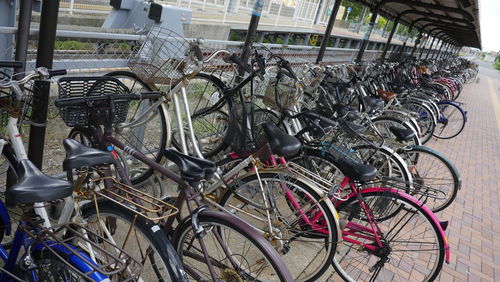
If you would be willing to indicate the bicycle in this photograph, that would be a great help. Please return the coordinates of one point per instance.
(204, 235)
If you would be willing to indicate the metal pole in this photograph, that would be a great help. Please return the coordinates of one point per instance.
(252, 30)
(430, 48)
(419, 37)
(23, 32)
(436, 54)
(388, 43)
(404, 42)
(364, 43)
(328, 31)
(44, 58)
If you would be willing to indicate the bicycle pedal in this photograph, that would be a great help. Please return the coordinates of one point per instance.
(444, 224)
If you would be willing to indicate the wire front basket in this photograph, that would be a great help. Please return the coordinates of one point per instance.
(163, 57)
(95, 113)
(100, 255)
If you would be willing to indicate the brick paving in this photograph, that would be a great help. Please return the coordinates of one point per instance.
(474, 231)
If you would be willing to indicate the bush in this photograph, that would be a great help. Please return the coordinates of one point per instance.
(72, 45)
(497, 65)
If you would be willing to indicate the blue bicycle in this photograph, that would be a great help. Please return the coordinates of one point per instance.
(65, 252)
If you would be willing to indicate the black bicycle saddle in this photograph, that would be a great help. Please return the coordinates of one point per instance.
(282, 144)
(35, 186)
(79, 155)
(192, 169)
(402, 134)
(356, 171)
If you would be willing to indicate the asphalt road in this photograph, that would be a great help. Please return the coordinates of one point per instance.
(487, 69)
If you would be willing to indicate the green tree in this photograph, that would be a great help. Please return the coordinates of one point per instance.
(356, 10)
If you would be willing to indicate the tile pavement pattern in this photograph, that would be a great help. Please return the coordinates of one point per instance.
(474, 231)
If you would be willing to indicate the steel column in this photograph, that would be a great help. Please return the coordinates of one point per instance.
(430, 48)
(44, 58)
(364, 43)
(328, 31)
(23, 32)
(252, 30)
(417, 42)
(388, 43)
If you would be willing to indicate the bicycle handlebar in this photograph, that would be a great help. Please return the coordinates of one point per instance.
(39, 73)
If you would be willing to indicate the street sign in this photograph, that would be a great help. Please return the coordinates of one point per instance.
(349, 9)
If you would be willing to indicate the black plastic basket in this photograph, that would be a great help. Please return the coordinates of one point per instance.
(95, 113)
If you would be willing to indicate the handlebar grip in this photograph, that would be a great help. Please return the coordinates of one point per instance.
(11, 64)
(197, 52)
(236, 60)
(57, 72)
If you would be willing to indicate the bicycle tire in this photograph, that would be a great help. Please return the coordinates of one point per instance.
(153, 238)
(303, 236)
(334, 175)
(395, 122)
(439, 167)
(425, 118)
(443, 124)
(208, 117)
(361, 268)
(215, 221)
(152, 137)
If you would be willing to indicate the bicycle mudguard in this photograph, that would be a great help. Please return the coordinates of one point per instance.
(424, 207)
(5, 217)
(455, 104)
(452, 166)
(77, 262)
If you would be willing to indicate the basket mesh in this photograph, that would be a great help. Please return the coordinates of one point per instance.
(95, 113)
(162, 58)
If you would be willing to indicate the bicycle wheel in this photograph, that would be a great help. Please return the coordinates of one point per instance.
(451, 121)
(140, 238)
(307, 249)
(150, 136)
(383, 123)
(210, 110)
(425, 119)
(235, 250)
(429, 168)
(387, 162)
(412, 246)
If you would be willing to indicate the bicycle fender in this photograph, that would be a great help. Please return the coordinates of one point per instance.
(453, 167)
(455, 104)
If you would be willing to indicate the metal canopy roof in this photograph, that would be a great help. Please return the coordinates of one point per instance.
(455, 21)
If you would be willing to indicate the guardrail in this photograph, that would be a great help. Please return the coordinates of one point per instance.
(100, 52)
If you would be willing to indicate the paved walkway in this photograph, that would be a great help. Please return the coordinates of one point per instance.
(474, 231)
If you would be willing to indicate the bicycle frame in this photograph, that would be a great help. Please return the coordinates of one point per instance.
(352, 230)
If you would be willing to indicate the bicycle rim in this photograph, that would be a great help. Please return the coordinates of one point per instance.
(451, 121)
(307, 249)
(235, 254)
(413, 248)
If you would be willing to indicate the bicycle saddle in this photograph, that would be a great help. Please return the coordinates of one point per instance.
(192, 169)
(79, 155)
(281, 143)
(372, 102)
(356, 171)
(35, 186)
(402, 134)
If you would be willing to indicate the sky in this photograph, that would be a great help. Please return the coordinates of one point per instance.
(489, 16)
